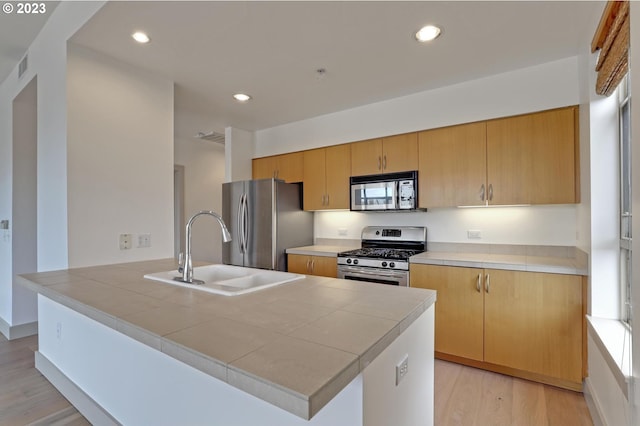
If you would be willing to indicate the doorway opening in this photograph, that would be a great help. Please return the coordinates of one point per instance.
(24, 201)
(178, 210)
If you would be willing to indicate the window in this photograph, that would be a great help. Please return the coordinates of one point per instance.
(625, 200)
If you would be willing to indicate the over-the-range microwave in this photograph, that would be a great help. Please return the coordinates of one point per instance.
(385, 192)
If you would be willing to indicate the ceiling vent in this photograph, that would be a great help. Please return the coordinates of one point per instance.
(22, 67)
(211, 136)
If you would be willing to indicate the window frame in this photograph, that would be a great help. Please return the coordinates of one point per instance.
(625, 234)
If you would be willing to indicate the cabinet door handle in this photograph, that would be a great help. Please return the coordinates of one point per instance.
(379, 163)
(490, 192)
(327, 199)
(487, 283)
(313, 265)
(482, 192)
(308, 265)
(478, 286)
(384, 163)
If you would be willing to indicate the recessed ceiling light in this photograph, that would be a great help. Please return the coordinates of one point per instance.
(428, 33)
(140, 37)
(241, 97)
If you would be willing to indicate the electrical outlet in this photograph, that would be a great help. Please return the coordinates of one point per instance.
(474, 234)
(4, 224)
(125, 241)
(144, 240)
(402, 369)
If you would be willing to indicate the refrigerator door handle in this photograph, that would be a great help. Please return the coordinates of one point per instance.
(245, 224)
(239, 220)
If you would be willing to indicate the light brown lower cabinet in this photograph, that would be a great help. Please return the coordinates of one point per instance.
(525, 324)
(313, 265)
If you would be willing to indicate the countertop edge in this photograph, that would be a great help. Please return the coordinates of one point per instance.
(523, 262)
(319, 250)
(526, 264)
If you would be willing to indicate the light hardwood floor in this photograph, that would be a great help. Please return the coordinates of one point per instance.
(26, 397)
(464, 396)
(467, 396)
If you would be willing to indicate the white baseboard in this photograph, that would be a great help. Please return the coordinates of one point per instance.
(18, 331)
(89, 408)
(592, 404)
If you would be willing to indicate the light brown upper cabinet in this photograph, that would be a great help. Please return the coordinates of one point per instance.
(326, 178)
(526, 159)
(533, 158)
(391, 154)
(288, 167)
(453, 167)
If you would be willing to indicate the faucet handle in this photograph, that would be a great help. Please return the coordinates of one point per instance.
(181, 262)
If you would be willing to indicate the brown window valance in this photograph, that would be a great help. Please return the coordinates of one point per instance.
(612, 39)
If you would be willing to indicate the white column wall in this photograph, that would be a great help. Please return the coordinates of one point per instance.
(239, 150)
(47, 60)
(120, 160)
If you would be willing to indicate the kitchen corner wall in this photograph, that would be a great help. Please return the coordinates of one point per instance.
(536, 88)
(120, 160)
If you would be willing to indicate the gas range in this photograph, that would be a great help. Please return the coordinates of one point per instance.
(384, 255)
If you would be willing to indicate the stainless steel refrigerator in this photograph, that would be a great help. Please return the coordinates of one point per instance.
(265, 217)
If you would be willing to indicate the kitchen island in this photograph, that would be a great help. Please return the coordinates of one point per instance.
(318, 351)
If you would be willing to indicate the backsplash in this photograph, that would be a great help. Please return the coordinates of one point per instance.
(549, 225)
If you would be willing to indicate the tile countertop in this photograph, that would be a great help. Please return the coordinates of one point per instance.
(521, 262)
(321, 250)
(550, 259)
(295, 345)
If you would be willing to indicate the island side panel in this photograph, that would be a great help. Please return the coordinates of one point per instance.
(411, 401)
(137, 384)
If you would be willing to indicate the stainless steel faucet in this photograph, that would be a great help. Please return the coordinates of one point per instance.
(185, 262)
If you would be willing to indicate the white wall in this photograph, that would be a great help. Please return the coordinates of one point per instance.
(540, 87)
(47, 60)
(204, 169)
(120, 160)
(536, 88)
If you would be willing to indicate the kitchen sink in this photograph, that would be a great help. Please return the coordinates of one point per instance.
(227, 280)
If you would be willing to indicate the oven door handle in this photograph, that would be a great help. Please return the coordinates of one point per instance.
(367, 272)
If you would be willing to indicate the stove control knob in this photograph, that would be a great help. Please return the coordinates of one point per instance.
(392, 264)
(348, 260)
(355, 261)
(384, 264)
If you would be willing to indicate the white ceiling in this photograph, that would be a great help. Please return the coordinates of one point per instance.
(272, 50)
